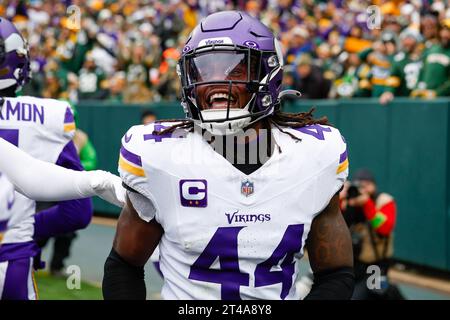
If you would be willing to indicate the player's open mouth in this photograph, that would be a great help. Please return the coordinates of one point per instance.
(219, 100)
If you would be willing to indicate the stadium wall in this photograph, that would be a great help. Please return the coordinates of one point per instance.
(406, 144)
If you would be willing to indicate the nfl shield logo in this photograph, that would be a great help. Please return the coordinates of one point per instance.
(247, 188)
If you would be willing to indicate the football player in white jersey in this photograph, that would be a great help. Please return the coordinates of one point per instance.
(229, 226)
(44, 128)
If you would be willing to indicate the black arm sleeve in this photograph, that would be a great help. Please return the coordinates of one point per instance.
(336, 284)
(121, 280)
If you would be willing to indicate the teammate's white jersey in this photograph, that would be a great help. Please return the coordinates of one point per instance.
(6, 202)
(42, 128)
(228, 235)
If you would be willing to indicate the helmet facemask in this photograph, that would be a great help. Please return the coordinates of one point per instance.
(2, 51)
(226, 87)
(14, 59)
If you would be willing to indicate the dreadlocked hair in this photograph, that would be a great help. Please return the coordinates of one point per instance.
(182, 124)
(295, 120)
(278, 119)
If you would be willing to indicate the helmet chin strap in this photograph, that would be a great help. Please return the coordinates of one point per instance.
(224, 127)
(228, 127)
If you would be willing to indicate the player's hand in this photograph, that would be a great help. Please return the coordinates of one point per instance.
(386, 97)
(108, 187)
(359, 201)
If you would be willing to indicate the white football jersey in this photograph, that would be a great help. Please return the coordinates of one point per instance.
(42, 128)
(228, 235)
(6, 202)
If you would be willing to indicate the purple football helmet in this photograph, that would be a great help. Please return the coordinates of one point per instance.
(14, 57)
(231, 72)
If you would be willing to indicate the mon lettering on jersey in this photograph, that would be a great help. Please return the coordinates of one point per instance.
(22, 111)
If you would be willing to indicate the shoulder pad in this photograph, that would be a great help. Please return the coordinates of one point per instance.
(151, 132)
(328, 141)
(144, 140)
(130, 160)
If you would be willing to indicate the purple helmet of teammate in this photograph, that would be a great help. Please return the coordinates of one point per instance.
(14, 57)
(231, 72)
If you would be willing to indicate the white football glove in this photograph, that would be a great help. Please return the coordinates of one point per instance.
(108, 187)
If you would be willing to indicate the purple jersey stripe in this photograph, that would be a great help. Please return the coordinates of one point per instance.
(16, 280)
(131, 157)
(68, 118)
(343, 156)
(10, 135)
(3, 225)
(14, 251)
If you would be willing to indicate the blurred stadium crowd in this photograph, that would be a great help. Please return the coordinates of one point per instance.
(126, 50)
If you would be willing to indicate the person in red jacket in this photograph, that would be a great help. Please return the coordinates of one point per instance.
(370, 216)
(378, 208)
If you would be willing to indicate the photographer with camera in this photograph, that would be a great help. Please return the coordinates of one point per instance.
(370, 216)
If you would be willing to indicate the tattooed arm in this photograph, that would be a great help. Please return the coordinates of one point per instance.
(330, 254)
